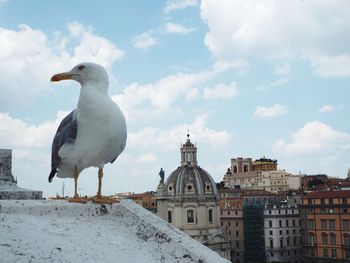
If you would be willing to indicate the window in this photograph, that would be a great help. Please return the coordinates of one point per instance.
(237, 234)
(245, 168)
(271, 243)
(334, 253)
(332, 238)
(190, 216)
(332, 224)
(310, 224)
(324, 239)
(346, 240)
(293, 222)
(325, 252)
(210, 216)
(237, 244)
(330, 201)
(323, 224)
(236, 223)
(294, 241)
(345, 224)
(288, 243)
(323, 202)
(287, 223)
(280, 223)
(170, 219)
(270, 223)
(331, 210)
(281, 242)
(344, 200)
(347, 253)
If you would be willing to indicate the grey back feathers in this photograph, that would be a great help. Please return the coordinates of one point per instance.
(66, 133)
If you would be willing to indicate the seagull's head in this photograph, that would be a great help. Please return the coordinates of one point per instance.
(84, 73)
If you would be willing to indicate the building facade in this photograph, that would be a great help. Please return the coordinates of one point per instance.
(190, 201)
(259, 174)
(326, 223)
(147, 200)
(283, 232)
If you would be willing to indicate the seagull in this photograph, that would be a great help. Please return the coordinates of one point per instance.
(93, 134)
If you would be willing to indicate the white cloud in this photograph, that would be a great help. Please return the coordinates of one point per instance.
(28, 57)
(144, 40)
(315, 137)
(192, 94)
(155, 138)
(158, 99)
(19, 134)
(177, 28)
(326, 108)
(331, 66)
(282, 69)
(330, 108)
(173, 5)
(2, 2)
(221, 91)
(275, 83)
(267, 30)
(268, 112)
(147, 159)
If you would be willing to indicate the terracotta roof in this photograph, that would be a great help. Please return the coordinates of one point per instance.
(329, 194)
(248, 192)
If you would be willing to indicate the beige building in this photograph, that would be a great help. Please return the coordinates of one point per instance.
(190, 201)
(259, 174)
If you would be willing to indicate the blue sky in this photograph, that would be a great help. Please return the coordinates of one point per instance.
(246, 78)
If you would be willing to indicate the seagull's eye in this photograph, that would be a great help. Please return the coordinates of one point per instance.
(81, 67)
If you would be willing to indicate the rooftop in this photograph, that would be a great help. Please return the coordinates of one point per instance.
(328, 194)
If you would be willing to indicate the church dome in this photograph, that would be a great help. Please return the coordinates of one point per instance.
(189, 178)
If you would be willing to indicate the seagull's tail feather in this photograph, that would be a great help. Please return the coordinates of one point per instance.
(52, 174)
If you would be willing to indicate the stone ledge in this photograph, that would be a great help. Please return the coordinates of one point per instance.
(168, 243)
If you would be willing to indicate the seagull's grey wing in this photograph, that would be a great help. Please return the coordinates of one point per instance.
(66, 133)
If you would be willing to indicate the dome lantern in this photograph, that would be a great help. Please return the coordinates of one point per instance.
(188, 153)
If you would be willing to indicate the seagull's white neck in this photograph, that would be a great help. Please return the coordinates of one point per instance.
(95, 87)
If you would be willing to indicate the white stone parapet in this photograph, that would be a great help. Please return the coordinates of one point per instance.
(59, 231)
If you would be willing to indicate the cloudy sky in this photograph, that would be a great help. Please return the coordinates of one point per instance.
(245, 78)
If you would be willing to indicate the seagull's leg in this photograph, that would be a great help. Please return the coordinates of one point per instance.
(100, 175)
(76, 175)
(76, 198)
(99, 198)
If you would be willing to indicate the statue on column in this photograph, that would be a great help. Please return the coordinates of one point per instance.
(161, 174)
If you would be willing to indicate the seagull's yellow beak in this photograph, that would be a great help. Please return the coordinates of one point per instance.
(61, 76)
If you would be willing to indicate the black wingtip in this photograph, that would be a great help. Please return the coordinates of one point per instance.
(52, 175)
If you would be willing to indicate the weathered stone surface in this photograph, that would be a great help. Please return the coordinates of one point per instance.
(59, 231)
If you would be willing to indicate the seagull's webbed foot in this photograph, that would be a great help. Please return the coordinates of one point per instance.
(77, 199)
(104, 200)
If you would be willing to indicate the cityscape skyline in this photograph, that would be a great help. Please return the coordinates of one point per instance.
(245, 79)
